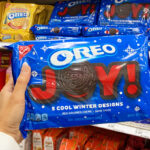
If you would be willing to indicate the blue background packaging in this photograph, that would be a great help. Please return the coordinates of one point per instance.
(56, 30)
(124, 12)
(118, 52)
(89, 31)
(51, 38)
(75, 12)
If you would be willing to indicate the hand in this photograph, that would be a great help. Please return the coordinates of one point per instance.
(12, 104)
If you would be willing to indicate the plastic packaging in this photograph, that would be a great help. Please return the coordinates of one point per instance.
(89, 31)
(124, 12)
(75, 12)
(84, 81)
(2, 8)
(51, 38)
(56, 30)
(15, 37)
(18, 18)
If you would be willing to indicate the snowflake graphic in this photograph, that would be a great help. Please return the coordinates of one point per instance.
(33, 53)
(129, 50)
(141, 55)
(34, 74)
(128, 107)
(119, 40)
(137, 108)
(121, 93)
(43, 106)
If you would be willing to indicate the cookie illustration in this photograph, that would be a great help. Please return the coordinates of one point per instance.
(56, 30)
(74, 11)
(77, 81)
(113, 31)
(123, 11)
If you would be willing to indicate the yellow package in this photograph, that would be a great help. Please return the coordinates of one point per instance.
(2, 8)
(44, 17)
(20, 17)
(49, 10)
(15, 37)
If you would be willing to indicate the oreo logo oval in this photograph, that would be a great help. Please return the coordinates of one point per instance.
(64, 58)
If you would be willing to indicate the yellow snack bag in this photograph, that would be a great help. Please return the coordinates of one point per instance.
(19, 17)
(15, 37)
(2, 8)
(49, 10)
(44, 17)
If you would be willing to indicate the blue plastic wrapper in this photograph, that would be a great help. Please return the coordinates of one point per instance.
(75, 12)
(51, 38)
(84, 81)
(56, 30)
(124, 12)
(146, 121)
(89, 31)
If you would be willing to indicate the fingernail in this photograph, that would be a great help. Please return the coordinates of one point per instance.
(25, 68)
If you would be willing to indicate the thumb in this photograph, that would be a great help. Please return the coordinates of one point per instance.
(22, 81)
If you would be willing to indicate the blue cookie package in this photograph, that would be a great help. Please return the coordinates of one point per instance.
(51, 38)
(84, 81)
(89, 31)
(124, 12)
(56, 30)
(146, 121)
(75, 12)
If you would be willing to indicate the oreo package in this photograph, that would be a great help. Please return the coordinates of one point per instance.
(75, 12)
(124, 12)
(89, 31)
(51, 38)
(146, 121)
(56, 30)
(84, 81)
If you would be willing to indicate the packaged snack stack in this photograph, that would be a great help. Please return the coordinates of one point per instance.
(53, 137)
(124, 12)
(18, 19)
(68, 17)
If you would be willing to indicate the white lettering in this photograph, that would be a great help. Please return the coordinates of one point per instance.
(109, 49)
(96, 50)
(85, 51)
(66, 54)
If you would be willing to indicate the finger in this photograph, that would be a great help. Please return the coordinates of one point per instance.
(8, 88)
(22, 81)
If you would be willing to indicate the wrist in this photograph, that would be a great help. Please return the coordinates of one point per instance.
(13, 134)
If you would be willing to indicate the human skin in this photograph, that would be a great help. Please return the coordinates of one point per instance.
(12, 104)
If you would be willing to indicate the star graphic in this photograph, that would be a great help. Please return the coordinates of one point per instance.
(44, 48)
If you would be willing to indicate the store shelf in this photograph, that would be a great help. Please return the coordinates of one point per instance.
(136, 129)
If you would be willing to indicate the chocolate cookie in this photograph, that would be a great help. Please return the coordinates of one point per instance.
(123, 10)
(56, 30)
(78, 81)
(74, 11)
(113, 31)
